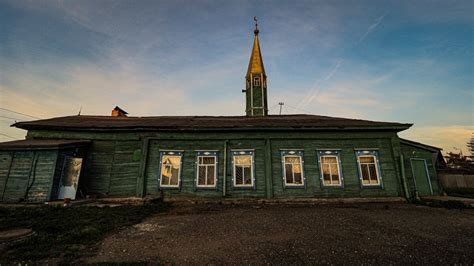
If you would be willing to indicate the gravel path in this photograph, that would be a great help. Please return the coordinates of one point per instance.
(297, 234)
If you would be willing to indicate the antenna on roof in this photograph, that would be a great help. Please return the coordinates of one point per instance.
(281, 105)
(80, 109)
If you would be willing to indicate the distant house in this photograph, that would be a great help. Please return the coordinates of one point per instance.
(256, 155)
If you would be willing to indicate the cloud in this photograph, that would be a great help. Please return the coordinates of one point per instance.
(315, 90)
(449, 138)
(373, 26)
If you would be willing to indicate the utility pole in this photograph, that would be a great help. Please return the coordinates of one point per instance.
(281, 105)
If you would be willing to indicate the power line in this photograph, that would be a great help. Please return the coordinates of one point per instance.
(9, 136)
(11, 118)
(299, 109)
(8, 110)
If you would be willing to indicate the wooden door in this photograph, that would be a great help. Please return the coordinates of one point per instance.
(421, 177)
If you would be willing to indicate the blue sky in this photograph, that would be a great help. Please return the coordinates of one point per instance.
(406, 61)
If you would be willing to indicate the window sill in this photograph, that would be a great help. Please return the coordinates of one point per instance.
(206, 188)
(169, 187)
(378, 186)
(289, 186)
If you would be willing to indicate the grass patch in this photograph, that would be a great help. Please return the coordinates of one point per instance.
(66, 233)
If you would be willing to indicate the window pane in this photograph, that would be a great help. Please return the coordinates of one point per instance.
(366, 159)
(288, 173)
(210, 175)
(292, 160)
(174, 176)
(200, 159)
(365, 174)
(326, 173)
(373, 174)
(243, 159)
(298, 178)
(334, 171)
(165, 180)
(208, 160)
(247, 176)
(201, 175)
(329, 159)
(239, 175)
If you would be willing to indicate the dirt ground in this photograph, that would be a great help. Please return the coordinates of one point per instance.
(296, 234)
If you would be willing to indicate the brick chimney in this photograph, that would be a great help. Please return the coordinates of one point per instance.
(117, 111)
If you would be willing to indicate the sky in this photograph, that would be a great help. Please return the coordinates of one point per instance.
(402, 61)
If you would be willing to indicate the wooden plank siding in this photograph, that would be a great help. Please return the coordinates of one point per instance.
(17, 181)
(125, 169)
(26, 175)
(112, 169)
(6, 163)
(39, 185)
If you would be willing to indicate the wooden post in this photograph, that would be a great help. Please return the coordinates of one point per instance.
(141, 181)
(268, 169)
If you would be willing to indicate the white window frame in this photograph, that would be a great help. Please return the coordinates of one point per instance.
(301, 167)
(207, 167)
(171, 154)
(256, 81)
(375, 163)
(330, 171)
(234, 165)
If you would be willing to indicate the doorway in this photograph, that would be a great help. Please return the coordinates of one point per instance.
(421, 177)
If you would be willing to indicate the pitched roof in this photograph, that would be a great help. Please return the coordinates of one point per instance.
(196, 123)
(419, 145)
(42, 144)
(256, 61)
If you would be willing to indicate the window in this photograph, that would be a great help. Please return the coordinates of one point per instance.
(170, 172)
(369, 173)
(256, 81)
(292, 168)
(243, 172)
(330, 166)
(206, 172)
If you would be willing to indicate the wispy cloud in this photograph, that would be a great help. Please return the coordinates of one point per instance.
(315, 90)
(373, 26)
(449, 138)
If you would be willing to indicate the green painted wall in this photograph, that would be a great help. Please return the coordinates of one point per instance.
(112, 167)
(410, 153)
(127, 163)
(26, 175)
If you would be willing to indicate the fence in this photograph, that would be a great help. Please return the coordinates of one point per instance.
(456, 181)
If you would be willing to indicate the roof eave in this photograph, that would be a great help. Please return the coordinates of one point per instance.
(396, 128)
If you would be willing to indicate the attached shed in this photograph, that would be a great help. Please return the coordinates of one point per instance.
(421, 162)
(30, 170)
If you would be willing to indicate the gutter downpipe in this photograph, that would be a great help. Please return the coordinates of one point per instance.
(224, 181)
(404, 180)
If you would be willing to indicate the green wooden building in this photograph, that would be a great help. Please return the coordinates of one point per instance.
(252, 156)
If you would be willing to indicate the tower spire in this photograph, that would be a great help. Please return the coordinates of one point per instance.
(256, 80)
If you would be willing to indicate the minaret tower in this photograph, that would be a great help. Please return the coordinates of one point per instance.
(256, 81)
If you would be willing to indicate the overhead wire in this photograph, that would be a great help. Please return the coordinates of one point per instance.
(3, 134)
(11, 118)
(12, 111)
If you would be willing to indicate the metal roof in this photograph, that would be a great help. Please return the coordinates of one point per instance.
(201, 123)
(42, 144)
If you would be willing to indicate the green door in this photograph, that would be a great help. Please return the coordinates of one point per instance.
(421, 177)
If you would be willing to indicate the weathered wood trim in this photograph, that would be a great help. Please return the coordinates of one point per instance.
(50, 190)
(396, 155)
(112, 168)
(141, 180)
(33, 165)
(12, 155)
(268, 168)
